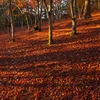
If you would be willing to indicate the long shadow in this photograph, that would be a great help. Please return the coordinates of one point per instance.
(49, 71)
(79, 36)
(52, 77)
(73, 56)
(28, 45)
(87, 23)
(4, 61)
(79, 81)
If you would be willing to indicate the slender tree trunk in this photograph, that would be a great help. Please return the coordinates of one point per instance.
(82, 9)
(73, 14)
(28, 26)
(39, 17)
(11, 21)
(79, 12)
(57, 12)
(22, 26)
(50, 23)
(41, 14)
(30, 19)
(87, 13)
(49, 14)
(35, 19)
(99, 4)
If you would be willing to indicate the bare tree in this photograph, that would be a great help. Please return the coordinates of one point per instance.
(49, 14)
(40, 4)
(11, 20)
(87, 12)
(73, 15)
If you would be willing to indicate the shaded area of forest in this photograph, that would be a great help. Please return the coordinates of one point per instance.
(69, 69)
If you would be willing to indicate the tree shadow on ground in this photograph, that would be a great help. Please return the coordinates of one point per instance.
(87, 55)
(81, 83)
(79, 36)
(88, 23)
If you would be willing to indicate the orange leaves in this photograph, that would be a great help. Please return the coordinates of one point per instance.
(33, 3)
(21, 3)
(66, 70)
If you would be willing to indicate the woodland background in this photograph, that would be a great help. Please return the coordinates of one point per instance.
(49, 50)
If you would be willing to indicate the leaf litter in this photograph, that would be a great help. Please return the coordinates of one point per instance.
(69, 69)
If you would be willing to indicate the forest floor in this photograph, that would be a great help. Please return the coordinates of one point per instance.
(69, 69)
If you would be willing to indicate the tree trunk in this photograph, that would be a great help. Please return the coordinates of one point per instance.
(39, 21)
(49, 13)
(28, 26)
(50, 23)
(22, 26)
(39, 14)
(87, 13)
(35, 19)
(30, 19)
(99, 4)
(73, 15)
(11, 21)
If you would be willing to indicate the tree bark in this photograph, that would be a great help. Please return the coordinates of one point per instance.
(11, 21)
(80, 8)
(87, 13)
(27, 22)
(49, 13)
(39, 14)
(35, 19)
(39, 17)
(50, 23)
(99, 4)
(73, 15)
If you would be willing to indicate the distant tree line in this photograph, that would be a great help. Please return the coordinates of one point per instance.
(30, 13)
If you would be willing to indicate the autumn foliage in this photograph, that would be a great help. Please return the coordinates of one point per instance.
(69, 69)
